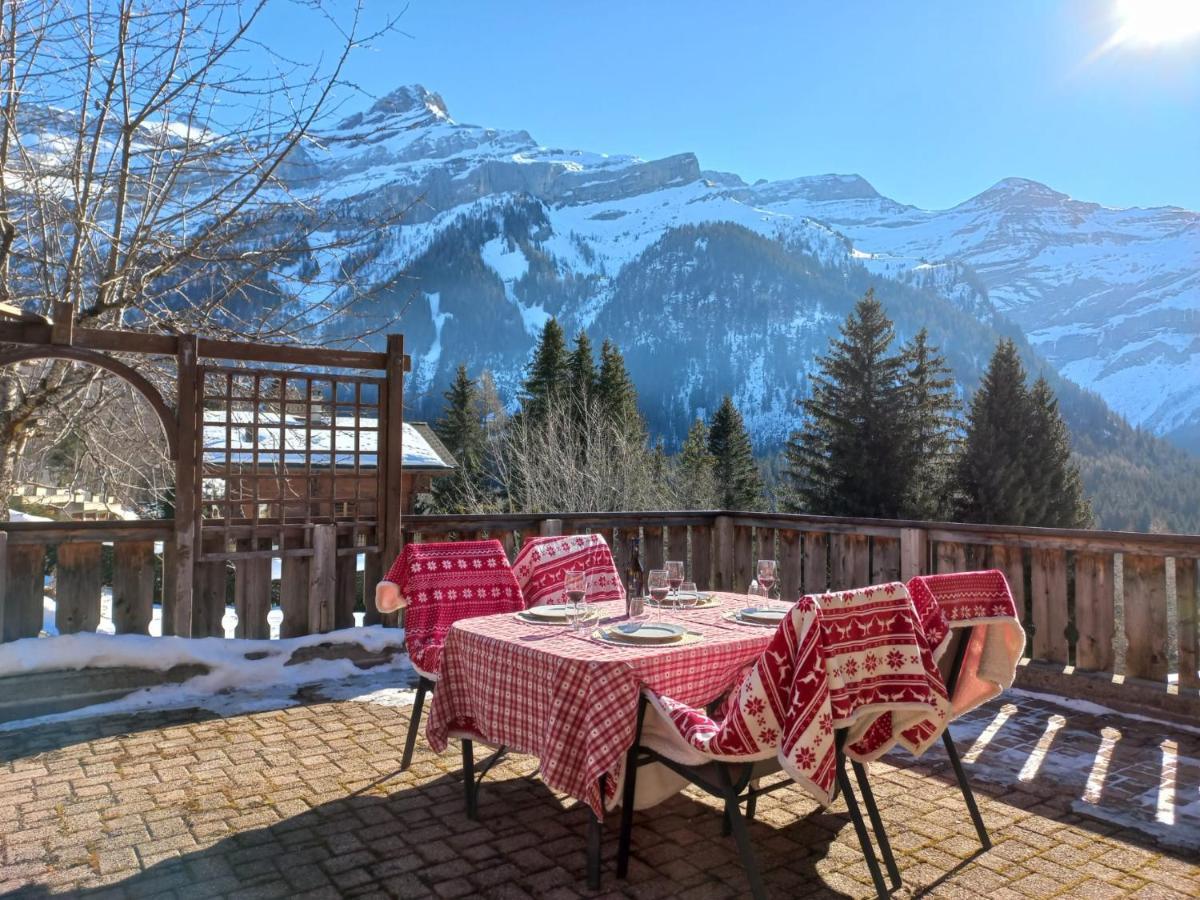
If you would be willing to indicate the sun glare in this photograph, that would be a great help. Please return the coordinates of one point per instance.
(1152, 23)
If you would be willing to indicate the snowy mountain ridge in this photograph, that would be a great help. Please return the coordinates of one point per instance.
(1111, 297)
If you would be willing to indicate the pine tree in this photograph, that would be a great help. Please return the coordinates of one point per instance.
(738, 484)
(581, 389)
(696, 470)
(848, 459)
(461, 429)
(615, 393)
(932, 414)
(993, 472)
(1057, 490)
(548, 377)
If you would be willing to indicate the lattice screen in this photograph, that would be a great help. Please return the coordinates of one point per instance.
(287, 448)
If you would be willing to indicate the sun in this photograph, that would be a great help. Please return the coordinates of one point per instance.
(1152, 23)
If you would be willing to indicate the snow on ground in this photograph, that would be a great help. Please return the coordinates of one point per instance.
(234, 683)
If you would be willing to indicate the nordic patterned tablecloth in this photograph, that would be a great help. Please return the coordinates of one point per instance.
(572, 701)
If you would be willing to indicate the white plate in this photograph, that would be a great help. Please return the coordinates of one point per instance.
(555, 612)
(703, 601)
(762, 615)
(645, 633)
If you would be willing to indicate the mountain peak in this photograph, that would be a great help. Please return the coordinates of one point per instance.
(818, 188)
(409, 101)
(1007, 189)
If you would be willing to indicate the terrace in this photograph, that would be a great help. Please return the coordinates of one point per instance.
(1088, 770)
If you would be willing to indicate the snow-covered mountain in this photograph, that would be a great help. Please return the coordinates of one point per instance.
(711, 285)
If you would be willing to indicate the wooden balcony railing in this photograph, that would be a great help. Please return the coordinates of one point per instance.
(1115, 602)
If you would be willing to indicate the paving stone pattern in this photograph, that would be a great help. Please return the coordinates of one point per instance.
(299, 802)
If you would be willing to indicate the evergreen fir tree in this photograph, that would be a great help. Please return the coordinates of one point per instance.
(547, 380)
(461, 429)
(615, 393)
(581, 367)
(696, 470)
(993, 473)
(738, 483)
(1057, 490)
(932, 417)
(848, 459)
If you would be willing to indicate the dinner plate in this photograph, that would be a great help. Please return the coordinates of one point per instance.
(704, 601)
(556, 614)
(762, 615)
(645, 632)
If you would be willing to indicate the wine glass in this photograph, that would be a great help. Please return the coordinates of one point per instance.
(675, 575)
(658, 585)
(757, 595)
(575, 584)
(767, 571)
(688, 596)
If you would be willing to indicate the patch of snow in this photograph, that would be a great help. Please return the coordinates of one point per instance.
(234, 684)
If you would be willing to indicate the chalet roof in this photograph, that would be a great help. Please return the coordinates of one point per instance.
(422, 449)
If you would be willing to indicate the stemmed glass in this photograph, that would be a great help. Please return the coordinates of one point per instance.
(575, 584)
(658, 585)
(688, 596)
(675, 576)
(767, 571)
(755, 593)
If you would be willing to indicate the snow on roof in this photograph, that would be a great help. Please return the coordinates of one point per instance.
(319, 436)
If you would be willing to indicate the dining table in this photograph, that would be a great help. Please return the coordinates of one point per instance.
(570, 698)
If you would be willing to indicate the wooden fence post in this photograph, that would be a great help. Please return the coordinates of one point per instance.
(914, 553)
(723, 553)
(186, 514)
(390, 513)
(551, 527)
(77, 586)
(133, 586)
(322, 583)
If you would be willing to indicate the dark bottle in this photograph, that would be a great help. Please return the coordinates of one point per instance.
(634, 580)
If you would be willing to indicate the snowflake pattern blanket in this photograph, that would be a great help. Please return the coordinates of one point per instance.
(543, 562)
(982, 601)
(855, 660)
(445, 582)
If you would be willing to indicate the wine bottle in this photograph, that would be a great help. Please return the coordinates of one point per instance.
(634, 579)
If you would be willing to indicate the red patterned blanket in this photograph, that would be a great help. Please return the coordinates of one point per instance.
(543, 562)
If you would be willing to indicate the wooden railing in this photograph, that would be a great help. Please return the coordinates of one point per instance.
(319, 588)
(1117, 602)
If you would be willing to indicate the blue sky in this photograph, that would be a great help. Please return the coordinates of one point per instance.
(932, 102)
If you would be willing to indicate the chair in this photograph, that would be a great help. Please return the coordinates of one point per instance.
(543, 561)
(442, 583)
(978, 662)
(844, 675)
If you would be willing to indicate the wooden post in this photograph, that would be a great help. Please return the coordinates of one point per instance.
(744, 568)
(187, 528)
(1049, 585)
(293, 590)
(322, 582)
(168, 586)
(621, 552)
(252, 592)
(850, 561)
(372, 575)
(551, 527)
(392, 474)
(816, 559)
(1188, 606)
(25, 565)
(677, 543)
(208, 594)
(62, 328)
(652, 547)
(133, 586)
(914, 553)
(885, 560)
(1146, 616)
(723, 556)
(702, 547)
(790, 555)
(77, 606)
(1094, 608)
(346, 588)
(950, 556)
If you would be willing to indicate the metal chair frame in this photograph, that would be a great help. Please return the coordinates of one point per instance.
(732, 784)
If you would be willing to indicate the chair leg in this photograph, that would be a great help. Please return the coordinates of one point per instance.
(414, 722)
(468, 764)
(965, 787)
(625, 840)
(741, 835)
(885, 846)
(860, 829)
(751, 806)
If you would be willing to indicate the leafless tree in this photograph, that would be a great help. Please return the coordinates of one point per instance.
(576, 458)
(155, 171)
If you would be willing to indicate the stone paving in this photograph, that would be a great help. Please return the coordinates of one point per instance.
(299, 802)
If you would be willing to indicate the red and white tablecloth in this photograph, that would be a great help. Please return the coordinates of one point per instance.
(543, 562)
(571, 701)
